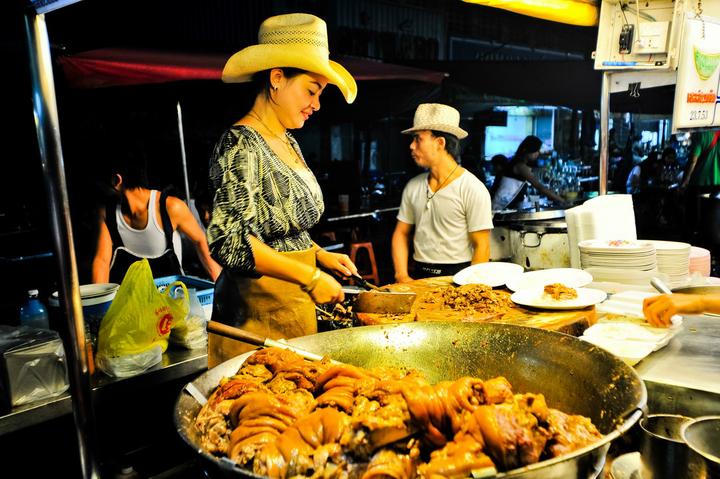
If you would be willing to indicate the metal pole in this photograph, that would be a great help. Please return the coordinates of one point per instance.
(604, 124)
(181, 133)
(48, 134)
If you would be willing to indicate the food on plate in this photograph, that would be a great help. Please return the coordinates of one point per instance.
(560, 292)
(471, 297)
(282, 415)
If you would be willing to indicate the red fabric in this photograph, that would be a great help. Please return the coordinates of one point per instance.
(115, 67)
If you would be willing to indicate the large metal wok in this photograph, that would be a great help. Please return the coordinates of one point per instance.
(574, 376)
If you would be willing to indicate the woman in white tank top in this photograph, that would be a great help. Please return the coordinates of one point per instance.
(148, 242)
(140, 225)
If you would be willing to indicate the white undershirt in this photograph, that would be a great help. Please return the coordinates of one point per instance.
(148, 242)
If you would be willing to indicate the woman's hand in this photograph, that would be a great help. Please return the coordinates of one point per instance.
(327, 290)
(403, 279)
(339, 264)
(659, 310)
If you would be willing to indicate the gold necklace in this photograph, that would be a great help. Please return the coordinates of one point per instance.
(285, 141)
(427, 184)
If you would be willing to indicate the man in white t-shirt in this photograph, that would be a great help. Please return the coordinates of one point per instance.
(447, 210)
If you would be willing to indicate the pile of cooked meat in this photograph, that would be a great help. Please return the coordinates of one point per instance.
(560, 292)
(472, 298)
(283, 416)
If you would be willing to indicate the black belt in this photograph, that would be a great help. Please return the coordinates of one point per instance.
(426, 270)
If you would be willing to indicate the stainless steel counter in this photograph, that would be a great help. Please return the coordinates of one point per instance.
(176, 363)
(684, 376)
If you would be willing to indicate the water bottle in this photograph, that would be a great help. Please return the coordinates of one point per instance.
(33, 313)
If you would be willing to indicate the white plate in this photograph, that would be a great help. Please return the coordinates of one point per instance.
(575, 278)
(536, 298)
(495, 273)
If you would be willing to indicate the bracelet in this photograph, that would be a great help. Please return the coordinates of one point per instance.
(313, 281)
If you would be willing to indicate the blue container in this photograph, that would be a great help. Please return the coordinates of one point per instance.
(95, 300)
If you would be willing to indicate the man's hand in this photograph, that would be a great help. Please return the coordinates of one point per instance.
(659, 310)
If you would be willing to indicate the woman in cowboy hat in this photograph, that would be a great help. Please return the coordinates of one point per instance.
(266, 199)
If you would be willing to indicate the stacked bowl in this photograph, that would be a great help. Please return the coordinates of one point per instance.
(673, 259)
(699, 261)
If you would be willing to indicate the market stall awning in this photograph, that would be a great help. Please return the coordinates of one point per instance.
(117, 67)
(583, 13)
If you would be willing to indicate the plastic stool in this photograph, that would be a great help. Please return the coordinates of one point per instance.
(368, 247)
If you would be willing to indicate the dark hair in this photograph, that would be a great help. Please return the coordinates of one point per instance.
(530, 144)
(452, 143)
(261, 80)
(132, 168)
(499, 161)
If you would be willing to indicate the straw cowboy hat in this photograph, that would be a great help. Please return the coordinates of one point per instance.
(297, 40)
(438, 117)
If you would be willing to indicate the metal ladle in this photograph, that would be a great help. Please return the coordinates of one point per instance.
(660, 285)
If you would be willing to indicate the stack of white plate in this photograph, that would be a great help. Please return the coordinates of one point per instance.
(699, 261)
(673, 258)
(620, 261)
(624, 254)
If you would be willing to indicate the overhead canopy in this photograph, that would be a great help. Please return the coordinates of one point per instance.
(583, 13)
(117, 66)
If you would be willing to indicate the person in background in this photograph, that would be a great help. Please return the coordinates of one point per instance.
(702, 175)
(266, 198)
(669, 170)
(447, 210)
(703, 167)
(659, 310)
(644, 174)
(498, 163)
(517, 174)
(140, 222)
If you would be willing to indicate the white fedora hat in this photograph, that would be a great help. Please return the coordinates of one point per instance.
(438, 117)
(297, 40)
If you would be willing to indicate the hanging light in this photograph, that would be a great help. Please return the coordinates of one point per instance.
(583, 13)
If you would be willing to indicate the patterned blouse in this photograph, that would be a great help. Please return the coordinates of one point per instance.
(256, 193)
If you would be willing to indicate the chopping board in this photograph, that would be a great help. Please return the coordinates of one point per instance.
(573, 322)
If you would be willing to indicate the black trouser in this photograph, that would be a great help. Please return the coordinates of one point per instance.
(428, 270)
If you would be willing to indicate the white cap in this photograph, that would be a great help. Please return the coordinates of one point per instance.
(33, 292)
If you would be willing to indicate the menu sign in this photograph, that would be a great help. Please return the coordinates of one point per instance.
(697, 97)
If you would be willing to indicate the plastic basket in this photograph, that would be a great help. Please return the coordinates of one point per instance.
(205, 289)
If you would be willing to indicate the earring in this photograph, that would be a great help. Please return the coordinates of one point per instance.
(275, 87)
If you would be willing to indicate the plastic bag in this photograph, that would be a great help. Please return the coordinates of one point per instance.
(134, 332)
(191, 333)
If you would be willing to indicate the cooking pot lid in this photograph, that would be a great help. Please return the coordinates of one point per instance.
(532, 214)
(549, 226)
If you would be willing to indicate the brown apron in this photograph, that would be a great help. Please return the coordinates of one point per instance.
(266, 306)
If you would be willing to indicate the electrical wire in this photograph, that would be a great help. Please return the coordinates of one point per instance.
(622, 10)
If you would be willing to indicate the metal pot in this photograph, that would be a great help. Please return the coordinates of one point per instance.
(500, 244)
(540, 244)
(702, 436)
(574, 376)
(533, 214)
